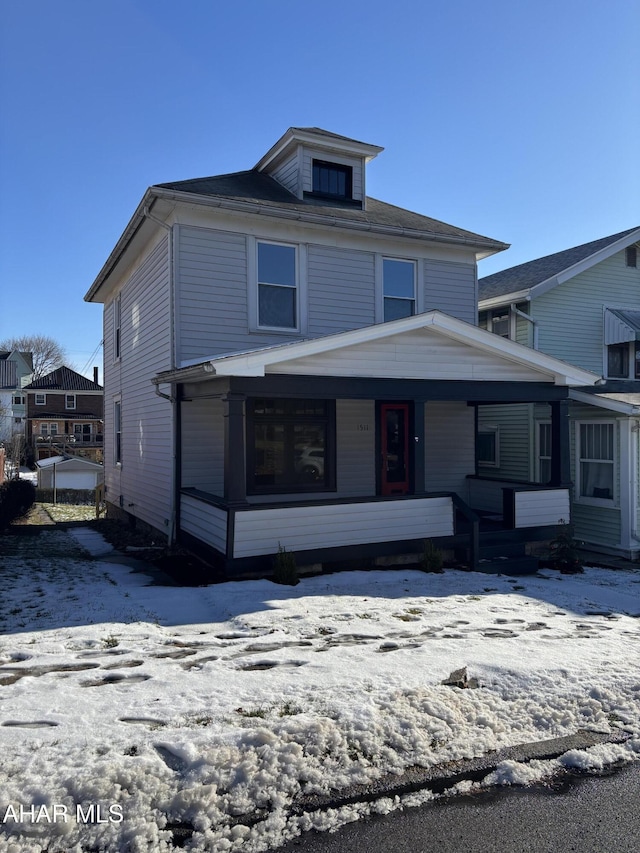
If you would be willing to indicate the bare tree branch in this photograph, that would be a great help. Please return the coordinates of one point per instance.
(47, 352)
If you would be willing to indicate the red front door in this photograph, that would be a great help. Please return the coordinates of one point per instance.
(394, 444)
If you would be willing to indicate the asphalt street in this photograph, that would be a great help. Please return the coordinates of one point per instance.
(587, 814)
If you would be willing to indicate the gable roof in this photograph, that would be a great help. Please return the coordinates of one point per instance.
(533, 363)
(63, 379)
(535, 277)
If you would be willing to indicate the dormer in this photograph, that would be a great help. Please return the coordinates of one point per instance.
(319, 166)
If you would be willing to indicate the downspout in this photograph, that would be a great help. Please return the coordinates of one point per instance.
(171, 531)
(530, 319)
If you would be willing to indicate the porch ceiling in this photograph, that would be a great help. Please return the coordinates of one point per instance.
(430, 346)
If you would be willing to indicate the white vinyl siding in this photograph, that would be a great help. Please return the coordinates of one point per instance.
(420, 354)
(341, 288)
(452, 288)
(202, 452)
(546, 507)
(144, 482)
(304, 528)
(449, 447)
(287, 173)
(206, 522)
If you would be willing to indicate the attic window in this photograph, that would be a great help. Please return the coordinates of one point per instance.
(631, 256)
(332, 180)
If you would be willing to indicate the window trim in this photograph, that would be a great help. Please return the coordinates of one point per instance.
(418, 283)
(538, 447)
(329, 419)
(632, 360)
(41, 402)
(253, 288)
(117, 432)
(344, 168)
(68, 397)
(583, 499)
(117, 328)
(490, 429)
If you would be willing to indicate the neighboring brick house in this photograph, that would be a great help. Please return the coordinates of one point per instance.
(65, 412)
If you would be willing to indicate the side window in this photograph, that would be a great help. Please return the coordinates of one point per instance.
(596, 462)
(69, 401)
(117, 432)
(277, 286)
(398, 288)
(543, 473)
(41, 399)
(117, 337)
(488, 446)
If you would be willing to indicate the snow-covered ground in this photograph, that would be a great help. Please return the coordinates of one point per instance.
(217, 707)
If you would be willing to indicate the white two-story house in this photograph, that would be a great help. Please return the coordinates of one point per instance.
(291, 362)
(581, 305)
(16, 370)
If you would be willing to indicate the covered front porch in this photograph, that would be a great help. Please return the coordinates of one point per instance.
(346, 452)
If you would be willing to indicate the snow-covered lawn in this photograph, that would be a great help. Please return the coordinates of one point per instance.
(217, 707)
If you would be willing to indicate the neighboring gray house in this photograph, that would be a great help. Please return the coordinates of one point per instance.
(16, 369)
(581, 305)
(291, 362)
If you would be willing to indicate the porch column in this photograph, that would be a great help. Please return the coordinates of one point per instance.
(418, 439)
(235, 480)
(560, 446)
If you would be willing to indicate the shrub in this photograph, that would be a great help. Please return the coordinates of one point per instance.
(16, 499)
(563, 550)
(432, 558)
(285, 570)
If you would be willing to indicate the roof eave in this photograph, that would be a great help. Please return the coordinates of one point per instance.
(293, 136)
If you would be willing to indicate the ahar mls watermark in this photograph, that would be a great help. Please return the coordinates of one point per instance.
(61, 813)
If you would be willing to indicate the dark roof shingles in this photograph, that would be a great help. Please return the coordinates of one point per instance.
(527, 275)
(255, 187)
(63, 379)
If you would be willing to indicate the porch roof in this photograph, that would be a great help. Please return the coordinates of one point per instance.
(433, 346)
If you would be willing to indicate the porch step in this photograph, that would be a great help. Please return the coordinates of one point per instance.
(521, 564)
(501, 549)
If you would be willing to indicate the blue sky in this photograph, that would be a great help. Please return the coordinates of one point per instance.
(520, 121)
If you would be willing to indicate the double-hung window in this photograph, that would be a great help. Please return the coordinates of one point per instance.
(596, 461)
(398, 288)
(41, 399)
(69, 401)
(544, 452)
(277, 286)
(117, 432)
(117, 321)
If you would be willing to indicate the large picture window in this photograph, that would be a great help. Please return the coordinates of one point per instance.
(596, 461)
(398, 288)
(290, 445)
(277, 287)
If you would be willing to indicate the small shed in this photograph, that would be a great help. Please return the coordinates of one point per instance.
(68, 472)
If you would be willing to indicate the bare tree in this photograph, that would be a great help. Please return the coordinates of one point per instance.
(47, 352)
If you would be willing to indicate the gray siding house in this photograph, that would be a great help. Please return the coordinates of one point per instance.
(581, 305)
(291, 362)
